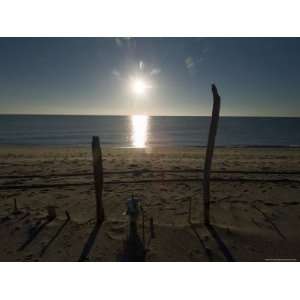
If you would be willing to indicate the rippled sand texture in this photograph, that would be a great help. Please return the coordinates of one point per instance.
(255, 217)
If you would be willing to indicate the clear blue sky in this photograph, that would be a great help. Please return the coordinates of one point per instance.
(255, 76)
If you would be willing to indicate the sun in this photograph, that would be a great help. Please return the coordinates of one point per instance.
(139, 86)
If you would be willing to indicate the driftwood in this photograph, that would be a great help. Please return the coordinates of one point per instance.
(190, 211)
(152, 234)
(51, 212)
(209, 152)
(98, 178)
(16, 210)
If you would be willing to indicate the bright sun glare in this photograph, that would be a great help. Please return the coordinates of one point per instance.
(139, 125)
(139, 86)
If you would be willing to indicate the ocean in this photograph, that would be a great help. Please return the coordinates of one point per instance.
(142, 131)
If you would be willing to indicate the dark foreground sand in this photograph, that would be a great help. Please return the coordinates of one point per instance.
(252, 220)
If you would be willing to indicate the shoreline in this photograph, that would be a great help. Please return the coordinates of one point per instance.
(176, 116)
(109, 146)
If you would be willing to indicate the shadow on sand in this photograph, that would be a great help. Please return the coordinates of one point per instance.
(133, 251)
(59, 230)
(207, 251)
(220, 243)
(12, 217)
(34, 233)
(227, 254)
(89, 243)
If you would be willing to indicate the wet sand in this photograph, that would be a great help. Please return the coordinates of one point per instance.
(253, 220)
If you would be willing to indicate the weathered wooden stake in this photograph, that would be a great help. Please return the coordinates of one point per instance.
(16, 211)
(152, 228)
(143, 224)
(190, 211)
(98, 178)
(209, 151)
(51, 212)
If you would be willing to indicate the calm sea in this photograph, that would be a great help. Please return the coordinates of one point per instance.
(141, 131)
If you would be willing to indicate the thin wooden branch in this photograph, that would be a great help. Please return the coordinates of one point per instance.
(190, 211)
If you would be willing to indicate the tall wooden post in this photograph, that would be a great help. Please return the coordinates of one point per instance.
(98, 178)
(209, 151)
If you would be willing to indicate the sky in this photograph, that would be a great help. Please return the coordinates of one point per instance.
(153, 76)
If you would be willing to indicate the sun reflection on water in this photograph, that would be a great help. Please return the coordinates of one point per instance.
(139, 130)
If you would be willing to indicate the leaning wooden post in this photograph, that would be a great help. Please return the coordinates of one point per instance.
(98, 178)
(209, 152)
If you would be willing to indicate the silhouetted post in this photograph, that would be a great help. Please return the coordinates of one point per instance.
(152, 228)
(190, 211)
(51, 212)
(209, 151)
(143, 224)
(98, 178)
(15, 211)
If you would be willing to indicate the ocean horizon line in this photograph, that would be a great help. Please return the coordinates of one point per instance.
(129, 115)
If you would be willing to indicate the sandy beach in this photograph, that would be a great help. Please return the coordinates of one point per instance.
(255, 217)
